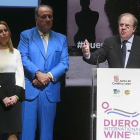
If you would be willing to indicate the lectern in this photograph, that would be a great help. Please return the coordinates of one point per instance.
(118, 104)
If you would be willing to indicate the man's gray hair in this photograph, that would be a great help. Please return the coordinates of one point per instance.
(36, 9)
(135, 21)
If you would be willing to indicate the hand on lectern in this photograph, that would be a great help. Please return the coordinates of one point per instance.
(85, 48)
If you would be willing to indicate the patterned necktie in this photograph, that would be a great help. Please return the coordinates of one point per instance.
(44, 43)
(124, 51)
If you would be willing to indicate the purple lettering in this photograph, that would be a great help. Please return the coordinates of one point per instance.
(106, 122)
(120, 123)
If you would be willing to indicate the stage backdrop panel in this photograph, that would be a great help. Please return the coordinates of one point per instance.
(86, 19)
(118, 104)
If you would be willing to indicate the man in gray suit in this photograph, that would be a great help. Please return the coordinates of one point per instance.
(121, 51)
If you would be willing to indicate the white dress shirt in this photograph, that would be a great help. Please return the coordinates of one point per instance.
(128, 47)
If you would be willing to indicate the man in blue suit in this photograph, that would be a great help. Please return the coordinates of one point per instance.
(45, 59)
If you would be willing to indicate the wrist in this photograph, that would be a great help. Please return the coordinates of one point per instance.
(16, 97)
(37, 73)
(51, 76)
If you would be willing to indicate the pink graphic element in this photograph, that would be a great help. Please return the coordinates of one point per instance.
(107, 110)
(116, 78)
(105, 105)
(117, 134)
(121, 123)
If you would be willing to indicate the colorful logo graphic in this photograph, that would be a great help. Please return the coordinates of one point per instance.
(116, 78)
(105, 105)
(116, 91)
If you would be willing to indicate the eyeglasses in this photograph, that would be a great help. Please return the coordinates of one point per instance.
(125, 25)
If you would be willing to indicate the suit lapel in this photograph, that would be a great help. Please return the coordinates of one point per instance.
(134, 50)
(37, 39)
(51, 43)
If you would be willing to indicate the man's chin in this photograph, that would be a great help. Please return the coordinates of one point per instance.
(124, 37)
(46, 30)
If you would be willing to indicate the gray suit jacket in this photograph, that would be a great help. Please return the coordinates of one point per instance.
(111, 51)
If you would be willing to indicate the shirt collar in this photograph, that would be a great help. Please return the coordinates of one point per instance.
(41, 34)
(130, 40)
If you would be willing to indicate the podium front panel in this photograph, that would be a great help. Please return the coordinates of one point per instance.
(118, 104)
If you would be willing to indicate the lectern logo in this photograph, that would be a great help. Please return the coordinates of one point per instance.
(116, 91)
(118, 111)
(116, 78)
(127, 92)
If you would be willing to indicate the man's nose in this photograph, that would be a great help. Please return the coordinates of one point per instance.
(47, 18)
(124, 27)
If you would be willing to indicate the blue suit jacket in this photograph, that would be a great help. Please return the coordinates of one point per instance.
(33, 57)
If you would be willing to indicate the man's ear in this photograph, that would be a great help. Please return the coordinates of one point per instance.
(35, 19)
(134, 29)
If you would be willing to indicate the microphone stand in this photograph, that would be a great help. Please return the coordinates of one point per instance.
(93, 103)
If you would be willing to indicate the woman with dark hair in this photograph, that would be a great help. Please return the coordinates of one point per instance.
(11, 85)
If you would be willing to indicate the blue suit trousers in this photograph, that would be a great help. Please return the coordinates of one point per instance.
(39, 112)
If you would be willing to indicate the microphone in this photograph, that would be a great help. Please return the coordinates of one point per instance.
(133, 52)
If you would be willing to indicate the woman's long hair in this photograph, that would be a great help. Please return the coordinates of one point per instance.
(9, 43)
